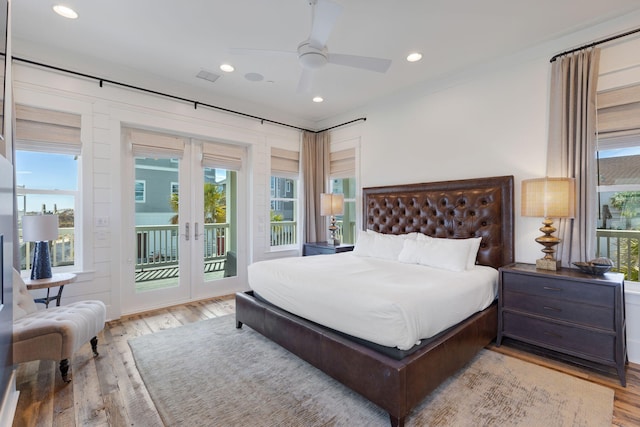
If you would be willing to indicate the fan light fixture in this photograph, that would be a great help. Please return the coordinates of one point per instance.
(65, 11)
(311, 57)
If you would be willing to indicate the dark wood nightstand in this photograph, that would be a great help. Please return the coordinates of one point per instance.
(566, 311)
(323, 248)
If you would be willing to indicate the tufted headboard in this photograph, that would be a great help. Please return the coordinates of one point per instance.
(480, 207)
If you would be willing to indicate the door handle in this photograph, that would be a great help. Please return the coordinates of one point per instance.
(186, 231)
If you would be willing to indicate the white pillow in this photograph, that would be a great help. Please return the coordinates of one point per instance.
(378, 245)
(364, 244)
(474, 247)
(448, 254)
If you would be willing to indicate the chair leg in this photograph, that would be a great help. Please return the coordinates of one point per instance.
(94, 346)
(64, 370)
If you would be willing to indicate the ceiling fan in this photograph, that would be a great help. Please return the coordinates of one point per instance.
(313, 54)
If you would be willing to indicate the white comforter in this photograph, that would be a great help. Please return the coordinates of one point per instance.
(386, 302)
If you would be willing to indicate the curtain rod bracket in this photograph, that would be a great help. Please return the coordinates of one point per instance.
(101, 81)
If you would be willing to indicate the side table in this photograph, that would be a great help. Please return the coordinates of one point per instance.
(58, 279)
(321, 248)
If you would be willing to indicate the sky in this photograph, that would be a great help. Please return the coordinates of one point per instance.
(46, 171)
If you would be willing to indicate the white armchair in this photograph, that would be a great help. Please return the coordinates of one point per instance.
(54, 333)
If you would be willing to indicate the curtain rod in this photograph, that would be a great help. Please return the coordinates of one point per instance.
(177, 98)
(608, 39)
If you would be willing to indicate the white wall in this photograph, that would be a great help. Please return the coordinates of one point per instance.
(104, 112)
(488, 121)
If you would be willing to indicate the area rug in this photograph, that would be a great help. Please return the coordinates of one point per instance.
(211, 374)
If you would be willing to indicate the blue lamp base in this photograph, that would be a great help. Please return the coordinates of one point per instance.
(41, 268)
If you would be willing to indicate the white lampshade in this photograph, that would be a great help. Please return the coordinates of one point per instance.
(548, 197)
(39, 228)
(331, 204)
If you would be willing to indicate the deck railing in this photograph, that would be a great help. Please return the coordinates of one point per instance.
(284, 233)
(62, 249)
(622, 247)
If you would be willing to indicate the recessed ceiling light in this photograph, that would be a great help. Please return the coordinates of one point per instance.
(414, 57)
(227, 68)
(318, 99)
(65, 11)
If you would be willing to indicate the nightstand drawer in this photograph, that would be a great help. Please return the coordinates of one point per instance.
(591, 315)
(572, 340)
(559, 288)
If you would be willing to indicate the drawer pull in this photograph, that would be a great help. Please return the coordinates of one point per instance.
(552, 334)
(546, 307)
(549, 288)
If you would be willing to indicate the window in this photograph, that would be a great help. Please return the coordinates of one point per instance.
(347, 222)
(283, 211)
(283, 207)
(140, 190)
(342, 172)
(48, 170)
(618, 223)
(48, 183)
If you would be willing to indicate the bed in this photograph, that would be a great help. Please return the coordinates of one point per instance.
(451, 209)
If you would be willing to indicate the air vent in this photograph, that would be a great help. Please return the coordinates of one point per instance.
(207, 75)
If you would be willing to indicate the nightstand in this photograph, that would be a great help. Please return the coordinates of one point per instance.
(566, 311)
(323, 248)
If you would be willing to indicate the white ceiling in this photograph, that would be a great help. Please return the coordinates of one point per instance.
(162, 44)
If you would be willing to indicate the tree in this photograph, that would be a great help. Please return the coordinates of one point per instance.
(628, 203)
(215, 204)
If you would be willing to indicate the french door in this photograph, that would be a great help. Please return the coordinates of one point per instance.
(183, 220)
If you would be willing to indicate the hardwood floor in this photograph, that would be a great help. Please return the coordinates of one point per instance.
(108, 390)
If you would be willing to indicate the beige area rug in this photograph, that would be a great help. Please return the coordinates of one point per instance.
(211, 374)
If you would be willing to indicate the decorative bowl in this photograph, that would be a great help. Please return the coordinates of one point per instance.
(592, 268)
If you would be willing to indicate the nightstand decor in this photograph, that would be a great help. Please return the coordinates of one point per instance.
(40, 229)
(332, 205)
(548, 198)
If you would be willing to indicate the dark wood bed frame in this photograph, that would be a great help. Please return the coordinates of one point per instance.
(451, 209)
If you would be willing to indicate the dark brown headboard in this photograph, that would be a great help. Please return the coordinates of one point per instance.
(480, 207)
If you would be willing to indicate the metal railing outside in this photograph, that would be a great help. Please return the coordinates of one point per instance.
(622, 247)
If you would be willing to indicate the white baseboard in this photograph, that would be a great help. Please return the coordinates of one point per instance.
(9, 402)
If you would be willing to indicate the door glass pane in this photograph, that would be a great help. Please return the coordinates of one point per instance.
(220, 229)
(156, 219)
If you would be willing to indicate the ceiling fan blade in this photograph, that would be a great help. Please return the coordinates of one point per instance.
(364, 62)
(325, 15)
(306, 80)
(261, 52)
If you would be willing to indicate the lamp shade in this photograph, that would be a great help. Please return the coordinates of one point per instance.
(549, 197)
(331, 204)
(39, 228)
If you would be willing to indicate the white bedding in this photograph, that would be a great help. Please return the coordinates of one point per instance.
(386, 302)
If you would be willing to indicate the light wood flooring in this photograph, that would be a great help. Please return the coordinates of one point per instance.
(108, 390)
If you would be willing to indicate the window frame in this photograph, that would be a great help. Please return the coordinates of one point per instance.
(296, 210)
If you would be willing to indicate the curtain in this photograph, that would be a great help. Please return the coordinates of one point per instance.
(315, 170)
(572, 147)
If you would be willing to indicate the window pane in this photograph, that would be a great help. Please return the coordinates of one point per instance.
(47, 183)
(46, 171)
(283, 211)
(346, 223)
(618, 225)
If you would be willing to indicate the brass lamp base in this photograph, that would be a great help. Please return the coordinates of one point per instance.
(547, 264)
(548, 240)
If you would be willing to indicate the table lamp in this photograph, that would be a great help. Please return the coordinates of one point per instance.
(548, 198)
(332, 205)
(40, 229)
